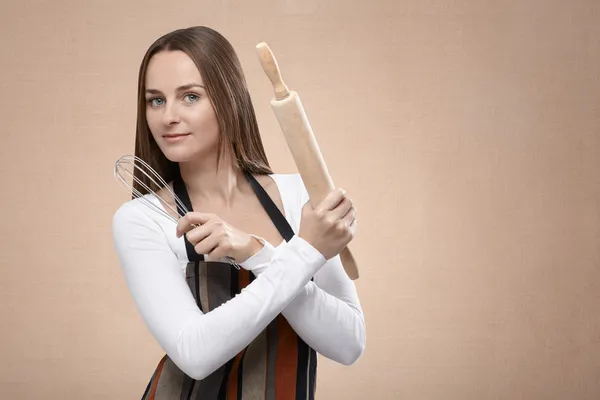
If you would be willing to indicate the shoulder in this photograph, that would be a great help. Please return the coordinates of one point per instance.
(132, 214)
(287, 186)
(291, 187)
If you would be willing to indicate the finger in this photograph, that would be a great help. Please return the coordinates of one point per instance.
(207, 245)
(199, 233)
(218, 252)
(332, 200)
(186, 222)
(352, 227)
(222, 248)
(342, 209)
(350, 217)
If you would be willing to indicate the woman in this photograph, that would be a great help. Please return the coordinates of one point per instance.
(229, 333)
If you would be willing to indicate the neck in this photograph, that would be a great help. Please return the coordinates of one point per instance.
(209, 184)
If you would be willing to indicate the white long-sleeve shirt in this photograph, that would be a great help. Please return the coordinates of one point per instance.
(325, 312)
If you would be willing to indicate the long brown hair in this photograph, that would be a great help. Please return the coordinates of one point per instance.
(226, 87)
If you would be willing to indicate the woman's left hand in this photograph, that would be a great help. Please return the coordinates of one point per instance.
(215, 238)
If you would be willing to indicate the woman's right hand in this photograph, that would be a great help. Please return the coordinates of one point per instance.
(331, 225)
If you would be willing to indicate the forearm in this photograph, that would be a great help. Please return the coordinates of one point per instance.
(329, 325)
(210, 340)
(200, 343)
(330, 321)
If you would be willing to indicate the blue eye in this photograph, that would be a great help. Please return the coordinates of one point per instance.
(192, 97)
(154, 100)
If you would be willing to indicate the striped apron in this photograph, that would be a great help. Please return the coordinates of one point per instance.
(276, 365)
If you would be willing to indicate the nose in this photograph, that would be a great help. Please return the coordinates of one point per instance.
(170, 114)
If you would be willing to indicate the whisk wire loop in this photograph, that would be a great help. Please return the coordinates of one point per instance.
(124, 174)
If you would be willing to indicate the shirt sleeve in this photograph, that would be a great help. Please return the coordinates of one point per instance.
(326, 313)
(200, 343)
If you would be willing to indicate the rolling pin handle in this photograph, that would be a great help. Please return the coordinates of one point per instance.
(269, 64)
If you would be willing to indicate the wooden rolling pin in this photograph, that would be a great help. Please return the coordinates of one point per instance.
(301, 142)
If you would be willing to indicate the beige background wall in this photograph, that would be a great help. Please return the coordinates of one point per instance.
(467, 132)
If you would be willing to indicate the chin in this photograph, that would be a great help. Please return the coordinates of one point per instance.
(178, 156)
(182, 154)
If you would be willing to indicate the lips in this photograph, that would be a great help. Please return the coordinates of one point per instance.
(175, 135)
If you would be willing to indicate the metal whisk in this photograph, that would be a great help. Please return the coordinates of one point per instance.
(124, 174)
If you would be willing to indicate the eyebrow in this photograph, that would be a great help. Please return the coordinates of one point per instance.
(179, 89)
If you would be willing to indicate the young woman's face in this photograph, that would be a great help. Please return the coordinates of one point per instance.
(178, 110)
